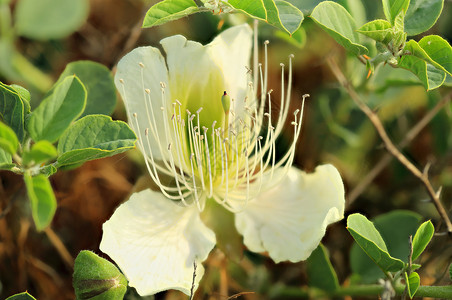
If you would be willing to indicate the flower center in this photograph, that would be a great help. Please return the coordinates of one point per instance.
(222, 152)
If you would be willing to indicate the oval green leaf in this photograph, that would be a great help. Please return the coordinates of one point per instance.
(97, 79)
(12, 110)
(42, 199)
(97, 278)
(392, 8)
(413, 282)
(422, 237)
(253, 8)
(21, 296)
(422, 15)
(339, 24)
(321, 273)
(379, 30)
(430, 76)
(5, 160)
(8, 139)
(93, 137)
(169, 10)
(40, 152)
(65, 102)
(397, 242)
(283, 15)
(439, 51)
(50, 19)
(370, 240)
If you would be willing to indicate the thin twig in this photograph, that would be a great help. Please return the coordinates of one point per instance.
(386, 159)
(193, 282)
(373, 117)
(60, 247)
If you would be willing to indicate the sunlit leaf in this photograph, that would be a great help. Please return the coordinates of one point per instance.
(335, 20)
(422, 237)
(93, 137)
(379, 30)
(392, 8)
(253, 8)
(58, 110)
(98, 81)
(169, 10)
(370, 240)
(283, 15)
(413, 282)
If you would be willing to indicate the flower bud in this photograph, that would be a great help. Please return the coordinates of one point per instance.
(97, 278)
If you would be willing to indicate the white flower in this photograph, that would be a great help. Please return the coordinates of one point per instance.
(200, 146)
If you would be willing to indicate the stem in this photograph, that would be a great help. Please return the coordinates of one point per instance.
(392, 149)
(369, 290)
(386, 159)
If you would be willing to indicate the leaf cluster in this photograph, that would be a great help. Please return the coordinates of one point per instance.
(69, 127)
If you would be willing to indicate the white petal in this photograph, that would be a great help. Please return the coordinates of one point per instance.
(289, 220)
(200, 74)
(155, 243)
(133, 88)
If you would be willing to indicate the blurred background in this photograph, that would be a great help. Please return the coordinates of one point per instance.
(39, 38)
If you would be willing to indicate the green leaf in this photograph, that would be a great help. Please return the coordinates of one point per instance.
(40, 152)
(42, 199)
(97, 79)
(298, 38)
(422, 237)
(439, 51)
(413, 282)
(23, 93)
(169, 10)
(355, 8)
(58, 110)
(253, 8)
(339, 24)
(97, 278)
(5, 160)
(12, 110)
(392, 8)
(21, 296)
(50, 19)
(8, 139)
(48, 170)
(430, 76)
(321, 273)
(370, 240)
(283, 15)
(379, 30)
(93, 137)
(422, 15)
(397, 242)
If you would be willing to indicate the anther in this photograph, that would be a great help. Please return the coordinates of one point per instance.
(296, 112)
(214, 122)
(266, 42)
(270, 91)
(162, 108)
(169, 147)
(172, 117)
(148, 91)
(199, 110)
(121, 81)
(178, 102)
(291, 56)
(162, 85)
(294, 123)
(267, 114)
(141, 64)
(146, 131)
(306, 95)
(188, 112)
(259, 138)
(281, 64)
(134, 115)
(192, 155)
